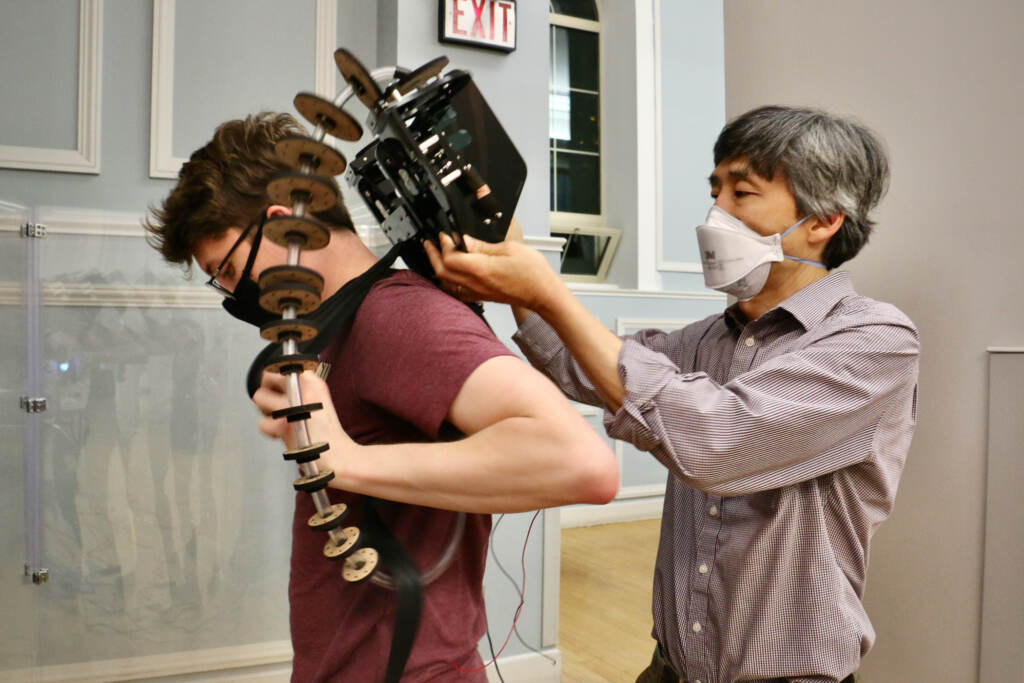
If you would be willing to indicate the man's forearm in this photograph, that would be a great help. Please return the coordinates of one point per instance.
(593, 346)
(517, 464)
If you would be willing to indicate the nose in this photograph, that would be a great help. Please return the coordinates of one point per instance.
(723, 203)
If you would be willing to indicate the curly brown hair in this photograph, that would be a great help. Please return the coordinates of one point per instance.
(224, 184)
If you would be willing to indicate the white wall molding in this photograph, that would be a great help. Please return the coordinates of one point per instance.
(85, 158)
(611, 513)
(649, 294)
(114, 295)
(648, 137)
(545, 243)
(102, 223)
(641, 491)
(551, 588)
(258, 661)
(162, 162)
(531, 667)
(326, 42)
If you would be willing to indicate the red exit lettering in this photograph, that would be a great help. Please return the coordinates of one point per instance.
(487, 21)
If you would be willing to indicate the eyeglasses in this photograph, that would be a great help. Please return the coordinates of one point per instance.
(217, 286)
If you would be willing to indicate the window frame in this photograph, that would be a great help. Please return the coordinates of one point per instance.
(587, 223)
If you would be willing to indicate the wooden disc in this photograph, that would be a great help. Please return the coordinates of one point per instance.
(300, 361)
(277, 297)
(417, 77)
(310, 233)
(299, 329)
(350, 541)
(331, 520)
(278, 274)
(360, 565)
(318, 192)
(324, 113)
(356, 75)
(308, 454)
(296, 150)
(313, 482)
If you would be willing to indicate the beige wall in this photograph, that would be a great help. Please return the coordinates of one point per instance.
(942, 82)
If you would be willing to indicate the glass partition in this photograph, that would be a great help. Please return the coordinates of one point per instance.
(165, 517)
(18, 596)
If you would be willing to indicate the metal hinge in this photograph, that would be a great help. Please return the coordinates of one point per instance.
(32, 405)
(41, 575)
(33, 230)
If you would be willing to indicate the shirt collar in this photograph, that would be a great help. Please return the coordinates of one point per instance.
(811, 304)
(808, 306)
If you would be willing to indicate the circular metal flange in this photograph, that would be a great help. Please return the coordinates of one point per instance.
(277, 297)
(277, 274)
(360, 565)
(296, 150)
(310, 233)
(332, 520)
(417, 77)
(356, 75)
(350, 536)
(318, 192)
(280, 331)
(332, 118)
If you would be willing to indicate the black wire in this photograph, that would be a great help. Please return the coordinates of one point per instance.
(515, 627)
(490, 644)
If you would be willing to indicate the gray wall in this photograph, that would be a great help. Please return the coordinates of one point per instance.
(940, 80)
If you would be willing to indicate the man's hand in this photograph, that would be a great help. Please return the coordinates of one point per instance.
(323, 424)
(508, 272)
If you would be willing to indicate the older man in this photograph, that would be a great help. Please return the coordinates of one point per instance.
(784, 421)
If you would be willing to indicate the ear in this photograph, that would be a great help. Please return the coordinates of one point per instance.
(278, 210)
(824, 228)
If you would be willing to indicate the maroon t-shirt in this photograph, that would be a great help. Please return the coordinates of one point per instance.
(394, 376)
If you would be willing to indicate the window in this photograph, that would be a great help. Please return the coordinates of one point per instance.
(575, 140)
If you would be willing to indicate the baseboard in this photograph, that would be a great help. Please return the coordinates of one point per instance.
(617, 511)
(263, 662)
(259, 663)
(531, 667)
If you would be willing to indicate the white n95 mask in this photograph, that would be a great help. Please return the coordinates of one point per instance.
(735, 258)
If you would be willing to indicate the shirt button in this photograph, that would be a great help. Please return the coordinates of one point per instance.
(750, 341)
(703, 569)
(713, 510)
(696, 627)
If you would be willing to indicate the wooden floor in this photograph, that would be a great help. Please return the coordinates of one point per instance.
(605, 611)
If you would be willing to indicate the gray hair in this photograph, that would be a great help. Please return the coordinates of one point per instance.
(832, 165)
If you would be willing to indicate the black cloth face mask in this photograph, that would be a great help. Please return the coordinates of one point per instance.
(245, 302)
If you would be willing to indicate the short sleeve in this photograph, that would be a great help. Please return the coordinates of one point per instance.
(415, 347)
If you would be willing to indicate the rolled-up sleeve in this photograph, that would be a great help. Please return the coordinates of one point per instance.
(795, 417)
(545, 351)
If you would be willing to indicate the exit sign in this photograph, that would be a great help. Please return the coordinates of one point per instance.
(486, 23)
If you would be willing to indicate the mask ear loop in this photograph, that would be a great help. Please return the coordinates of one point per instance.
(247, 270)
(795, 258)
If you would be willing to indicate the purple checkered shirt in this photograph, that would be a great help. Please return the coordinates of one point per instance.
(785, 438)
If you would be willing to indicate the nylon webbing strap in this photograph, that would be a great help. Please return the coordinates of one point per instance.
(331, 318)
(408, 588)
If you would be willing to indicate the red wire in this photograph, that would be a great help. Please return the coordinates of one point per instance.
(522, 599)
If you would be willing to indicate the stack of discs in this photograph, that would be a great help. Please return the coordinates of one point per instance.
(294, 291)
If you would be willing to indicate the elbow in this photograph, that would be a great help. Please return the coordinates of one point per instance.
(596, 474)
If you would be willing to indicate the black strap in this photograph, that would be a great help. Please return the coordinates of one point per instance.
(330, 318)
(408, 588)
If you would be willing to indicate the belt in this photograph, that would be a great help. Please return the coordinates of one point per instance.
(667, 673)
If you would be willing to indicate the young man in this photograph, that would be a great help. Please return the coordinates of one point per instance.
(784, 421)
(423, 406)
